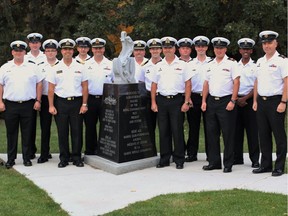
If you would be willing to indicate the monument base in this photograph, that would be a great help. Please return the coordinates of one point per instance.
(120, 168)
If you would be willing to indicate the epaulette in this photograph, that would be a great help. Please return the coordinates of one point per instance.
(210, 60)
(145, 62)
(89, 58)
(29, 61)
(231, 59)
(159, 61)
(55, 63)
(79, 62)
(282, 56)
(40, 63)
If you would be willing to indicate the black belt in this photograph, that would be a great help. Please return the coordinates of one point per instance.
(171, 96)
(96, 96)
(270, 97)
(219, 98)
(197, 93)
(19, 102)
(69, 98)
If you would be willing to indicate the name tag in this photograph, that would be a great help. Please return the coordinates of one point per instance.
(58, 72)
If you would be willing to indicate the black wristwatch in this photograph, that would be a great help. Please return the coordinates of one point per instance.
(233, 101)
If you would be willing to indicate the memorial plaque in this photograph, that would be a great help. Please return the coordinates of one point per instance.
(124, 134)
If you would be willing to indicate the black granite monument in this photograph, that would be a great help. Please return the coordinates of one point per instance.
(124, 134)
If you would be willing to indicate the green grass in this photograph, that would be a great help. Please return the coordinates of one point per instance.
(225, 203)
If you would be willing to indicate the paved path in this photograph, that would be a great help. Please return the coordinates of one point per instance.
(88, 191)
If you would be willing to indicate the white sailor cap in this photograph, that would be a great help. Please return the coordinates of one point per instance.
(50, 43)
(154, 43)
(139, 44)
(34, 37)
(83, 42)
(168, 41)
(268, 35)
(67, 43)
(18, 45)
(185, 42)
(98, 42)
(246, 43)
(201, 41)
(220, 42)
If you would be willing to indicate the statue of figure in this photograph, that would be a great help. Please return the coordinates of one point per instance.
(124, 65)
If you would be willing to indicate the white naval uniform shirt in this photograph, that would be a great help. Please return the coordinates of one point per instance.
(198, 68)
(19, 82)
(45, 68)
(98, 74)
(67, 79)
(37, 60)
(171, 78)
(147, 74)
(248, 77)
(138, 69)
(270, 75)
(220, 76)
(77, 58)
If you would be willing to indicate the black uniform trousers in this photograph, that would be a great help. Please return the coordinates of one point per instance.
(151, 120)
(45, 124)
(170, 123)
(91, 118)
(68, 117)
(194, 121)
(218, 120)
(269, 120)
(33, 134)
(19, 113)
(246, 120)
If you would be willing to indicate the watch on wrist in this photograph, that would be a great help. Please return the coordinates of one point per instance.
(285, 102)
(233, 101)
(38, 101)
(85, 105)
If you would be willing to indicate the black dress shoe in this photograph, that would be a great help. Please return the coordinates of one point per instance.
(261, 170)
(227, 169)
(238, 162)
(62, 164)
(255, 165)
(49, 156)
(190, 159)
(78, 163)
(27, 163)
(161, 165)
(179, 166)
(9, 164)
(211, 167)
(277, 172)
(33, 156)
(42, 160)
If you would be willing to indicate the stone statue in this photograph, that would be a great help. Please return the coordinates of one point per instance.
(124, 65)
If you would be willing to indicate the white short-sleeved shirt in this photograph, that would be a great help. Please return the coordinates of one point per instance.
(198, 69)
(248, 77)
(77, 58)
(270, 75)
(220, 77)
(146, 74)
(171, 78)
(138, 69)
(38, 59)
(98, 74)
(67, 79)
(45, 68)
(19, 81)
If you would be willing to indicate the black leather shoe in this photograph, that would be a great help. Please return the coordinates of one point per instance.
(9, 164)
(42, 160)
(211, 167)
(78, 163)
(190, 159)
(277, 172)
(33, 156)
(27, 163)
(255, 165)
(227, 169)
(49, 156)
(179, 166)
(238, 162)
(62, 164)
(161, 165)
(261, 170)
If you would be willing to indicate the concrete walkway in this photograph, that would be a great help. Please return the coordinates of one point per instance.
(89, 191)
